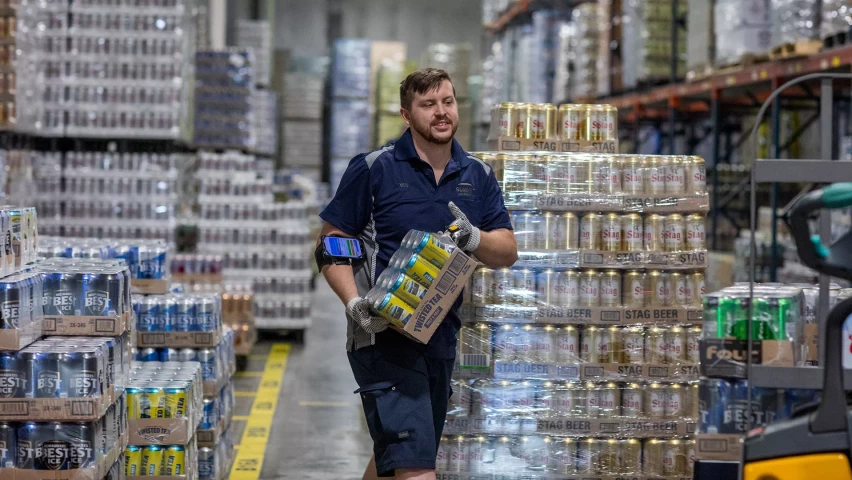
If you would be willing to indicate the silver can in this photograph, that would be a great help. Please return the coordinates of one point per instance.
(567, 345)
(568, 288)
(524, 291)
(543, 340)
(632, 400)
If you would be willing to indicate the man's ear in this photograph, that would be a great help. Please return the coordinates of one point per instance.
(406, 117)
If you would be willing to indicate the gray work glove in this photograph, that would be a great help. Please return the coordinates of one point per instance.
(463, 233)
(359, 309)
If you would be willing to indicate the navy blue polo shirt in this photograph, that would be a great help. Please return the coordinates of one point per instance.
(384, 194)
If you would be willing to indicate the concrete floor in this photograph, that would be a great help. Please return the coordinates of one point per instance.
(318, 432)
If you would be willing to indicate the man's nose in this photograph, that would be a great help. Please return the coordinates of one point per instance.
(442, 110)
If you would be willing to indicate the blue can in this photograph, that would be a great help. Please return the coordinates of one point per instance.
(166, 313)
(210, 415)
(209, 364)
(206, 463)
(8, 445)
(149, 355)
(46, 376)
(151, 261)
(81, 442)
(713, 395)
(27, 437)
(169, 355)
(205, 315)
(12, 376)
(188, 355)
(147, 314)
(184, 317)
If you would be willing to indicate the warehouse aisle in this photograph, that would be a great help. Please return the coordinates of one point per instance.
(317, 430)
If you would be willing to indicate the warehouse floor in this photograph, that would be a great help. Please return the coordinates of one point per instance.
(318, 431)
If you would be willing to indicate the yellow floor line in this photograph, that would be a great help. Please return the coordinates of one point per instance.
(249, 461)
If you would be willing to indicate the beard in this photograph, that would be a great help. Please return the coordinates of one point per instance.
(425, 131)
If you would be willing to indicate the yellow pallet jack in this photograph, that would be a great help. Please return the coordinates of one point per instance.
(815, 444)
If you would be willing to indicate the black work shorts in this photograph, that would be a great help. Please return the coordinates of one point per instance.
(405, 395)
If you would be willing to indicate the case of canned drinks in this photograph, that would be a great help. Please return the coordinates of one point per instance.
(166, 462)
(168, 395)
(224, 82)
(216, 417)
(194, 268)
(22, 310)
(178, 313)
(544, 126)
(214, 463)
(543, 456)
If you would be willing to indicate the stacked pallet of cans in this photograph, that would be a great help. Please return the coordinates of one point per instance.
(270, 251)
(165, 398)
(783, 328)
(582, 359)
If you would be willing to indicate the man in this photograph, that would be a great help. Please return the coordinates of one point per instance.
(425, 181)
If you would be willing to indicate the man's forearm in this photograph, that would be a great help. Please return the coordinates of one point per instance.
(497, 248)
(341, 279)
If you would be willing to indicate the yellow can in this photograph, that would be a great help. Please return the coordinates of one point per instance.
(428, 247)
(152, 460)
(394, 309)
(407, 289)
(420, 270)
(176, 402)
(133, 461)
(174, 461)
(134, 395)
(153, 403)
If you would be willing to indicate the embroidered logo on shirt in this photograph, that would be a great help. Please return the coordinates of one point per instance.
(403, 185)
(464, 190)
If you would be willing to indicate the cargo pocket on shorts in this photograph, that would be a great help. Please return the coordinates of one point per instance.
(385, 412)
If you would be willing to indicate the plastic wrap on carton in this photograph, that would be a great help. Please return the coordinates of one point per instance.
(350, 68)
(794, 20)
(836, 17)
(742, 27)
(350, 127)
(699, 33)
(585, 50)
(647, 27)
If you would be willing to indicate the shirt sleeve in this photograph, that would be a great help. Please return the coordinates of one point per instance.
(495, 215)
(351, 206)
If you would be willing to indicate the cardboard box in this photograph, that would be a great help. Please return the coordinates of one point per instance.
(666, 204)
(674, 314)
(245, 336)
(192, 278)
(73, 325)
(178, 339)
(548, 259)
(657, 428)
(565, 202)
(688, 260)
(439, 298)
(498, 313)
(812, 342)
(721, 447)
(672, 373)
(160, 431)
(18, 338)
(581, 315)
(55, 409)
(524, 370)
(579, 426)
(149, 286)
(572, 426)
(513, 144)
(727, 357)
(559, 315)
(95, 473)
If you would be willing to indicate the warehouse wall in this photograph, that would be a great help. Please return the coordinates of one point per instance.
(302, 26)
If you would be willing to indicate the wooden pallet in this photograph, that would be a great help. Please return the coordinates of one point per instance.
(800, 48)
(698, 73)
(838, 39)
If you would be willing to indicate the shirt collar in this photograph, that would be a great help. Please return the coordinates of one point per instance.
(404, 150)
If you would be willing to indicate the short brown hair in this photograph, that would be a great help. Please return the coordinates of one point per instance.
(421, 81)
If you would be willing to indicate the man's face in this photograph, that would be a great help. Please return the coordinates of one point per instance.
(434, 114)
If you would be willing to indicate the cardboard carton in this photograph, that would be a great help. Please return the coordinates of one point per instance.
(727, 357)
(149, 286)
(178, 339)
(514, 144)
(56, 409)
(14, 339)
(73, 325)
(721, 447)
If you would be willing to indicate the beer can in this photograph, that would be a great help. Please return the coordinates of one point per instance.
(675, 345)
(176, 401)
(610, 400)
(152, 460)
(505, 343)
(631, 456)
(147, 312)
(476, 339)
(608, 175)
(632, 232)
(588, 456)
(690, 400)
(688, 446)
(166, 312)
(656, 168)
(590, 284)
(693, 342)
(206, 315)
(700, 288)
(592, 400)
(674, 401)
(713, 397)
(606, 344)
(571, 117)
(393, 308)
(696, 175)
(610, 288)
(590, 231)
(674, 232)
(420, 270)
(480, 283)
(654, 231)
(635, 289)
(557, 174)
(507, 119)
(544, 344)
(537, 165)
(632, 401)
(502, 286)
(633, 341)
(695, 237)
(595, 120)
(577, 173)
(188, 355)
(544, 125)
(78, 373)
(133, 461)
(407, 289)
(567, 345)
(632, 175)
(652, 457)
(478, 458)
(655, 345)
(655, 401)
(564, 399)
(610, 457)
(563, 456)
(206, 463)
(428, 247)
(676, 176)
(568, 287)
(529, 113)
(562, 231)
(589, 342)
(524, 288)
(8, 445)
(660, 287)
(684, 289)
(174, 462)
(547, 287)
(674, 462)
(169, 355)
(184, 315)
(611, 233)
(443, 457)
